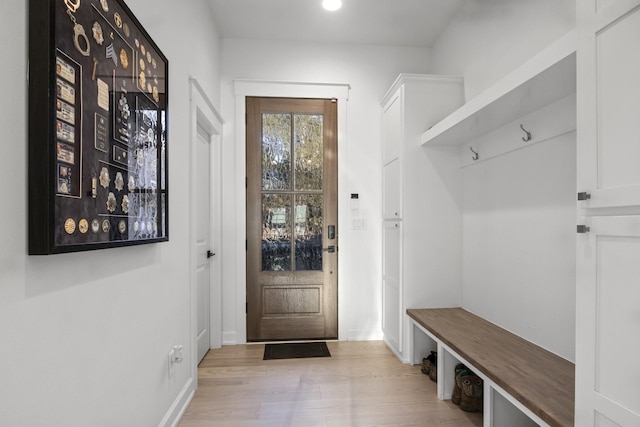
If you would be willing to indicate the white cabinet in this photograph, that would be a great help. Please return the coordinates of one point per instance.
(608, 322)
(391, 207)
(609, 104)
(608, 249)
(391, 317)
(420, 208)
(392, 127)
(393, 133)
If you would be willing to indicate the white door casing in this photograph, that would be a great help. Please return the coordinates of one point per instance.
(243, 89)
(206, 123)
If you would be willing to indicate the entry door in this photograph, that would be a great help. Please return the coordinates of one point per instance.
(203, 242)
(292, 214)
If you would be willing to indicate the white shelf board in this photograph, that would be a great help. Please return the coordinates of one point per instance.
(546, 78)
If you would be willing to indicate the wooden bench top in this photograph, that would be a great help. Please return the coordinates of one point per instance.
(542, 381)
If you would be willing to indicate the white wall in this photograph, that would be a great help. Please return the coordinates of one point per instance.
(489, 38)
(519, 242)
(85, 336)
(519, 208)
(369, 70)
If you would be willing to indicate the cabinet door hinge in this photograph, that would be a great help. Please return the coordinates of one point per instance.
(584, 196)
(583, 229)
(246, 308)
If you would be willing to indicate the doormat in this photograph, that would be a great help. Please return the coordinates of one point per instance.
(295, 350)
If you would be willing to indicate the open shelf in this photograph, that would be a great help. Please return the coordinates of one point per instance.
(544, 79)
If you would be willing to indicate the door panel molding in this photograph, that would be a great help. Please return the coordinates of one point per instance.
(309, 301)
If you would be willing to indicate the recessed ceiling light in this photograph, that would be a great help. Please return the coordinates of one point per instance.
(332, 4)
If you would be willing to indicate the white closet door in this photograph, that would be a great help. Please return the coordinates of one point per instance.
(392, 190)
(607, 293)
(609, 102)
(608, 343)
(392, 284)
(392, 128)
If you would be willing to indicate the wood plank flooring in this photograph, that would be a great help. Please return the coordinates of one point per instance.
(362, 384)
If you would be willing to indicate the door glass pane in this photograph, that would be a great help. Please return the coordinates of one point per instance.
(308, 232)
(276, 232)
(276, 151)
(309, 151)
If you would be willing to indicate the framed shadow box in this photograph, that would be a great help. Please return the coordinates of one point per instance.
(98, 93)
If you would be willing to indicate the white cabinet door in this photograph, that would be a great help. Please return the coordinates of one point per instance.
(392, 127)
(391, 190)
(608, 340)
(609, 102)
(608, 267)
(392, 284)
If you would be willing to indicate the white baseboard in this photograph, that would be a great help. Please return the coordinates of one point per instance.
(229, 338)
(395, 353)
(179, 406)
(364, 335)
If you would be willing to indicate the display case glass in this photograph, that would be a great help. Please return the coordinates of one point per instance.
(98, 94)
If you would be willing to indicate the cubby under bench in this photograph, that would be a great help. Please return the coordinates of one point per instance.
(524, 384)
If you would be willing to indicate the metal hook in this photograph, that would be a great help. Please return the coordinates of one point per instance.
(528, 138)
(475, 154)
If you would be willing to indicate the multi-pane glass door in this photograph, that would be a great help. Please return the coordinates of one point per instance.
(291, 204)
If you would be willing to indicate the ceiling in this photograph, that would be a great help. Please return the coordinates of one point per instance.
(416, 23)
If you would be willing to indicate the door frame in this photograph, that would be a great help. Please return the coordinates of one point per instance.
(204, 114)
(258, 88)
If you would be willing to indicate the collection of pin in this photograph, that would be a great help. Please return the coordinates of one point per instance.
(145, 77)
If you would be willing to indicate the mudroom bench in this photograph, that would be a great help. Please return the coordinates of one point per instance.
(524, 384)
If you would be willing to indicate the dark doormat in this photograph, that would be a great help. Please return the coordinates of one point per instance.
(295, 350)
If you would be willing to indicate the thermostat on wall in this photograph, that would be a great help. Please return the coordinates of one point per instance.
(355, 201)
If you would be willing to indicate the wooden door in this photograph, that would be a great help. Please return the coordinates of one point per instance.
(203, 242)
(292, 218)
(608, 247)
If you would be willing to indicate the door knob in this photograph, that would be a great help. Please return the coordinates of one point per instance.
(210, 254)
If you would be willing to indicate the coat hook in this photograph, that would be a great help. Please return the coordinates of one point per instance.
(475, 154)
(528, 137)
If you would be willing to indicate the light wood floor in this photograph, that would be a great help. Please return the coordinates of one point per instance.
(362, 384)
